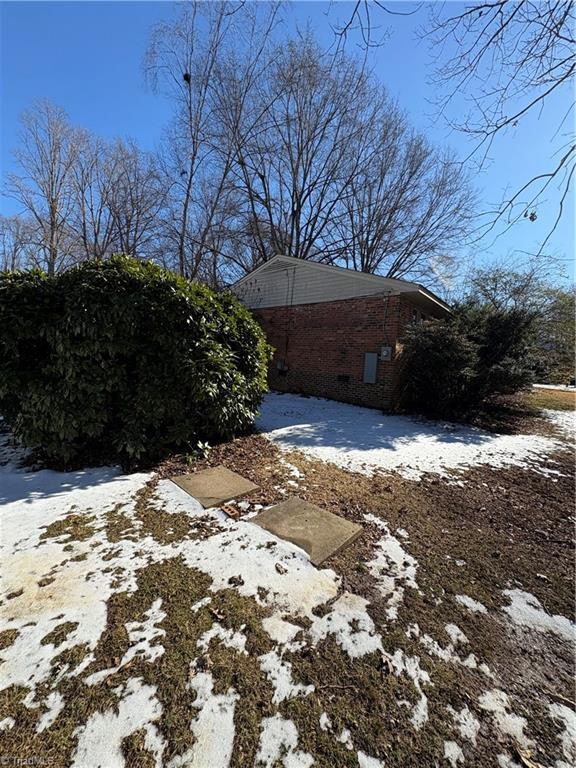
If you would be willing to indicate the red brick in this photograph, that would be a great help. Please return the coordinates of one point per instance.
(320, 342)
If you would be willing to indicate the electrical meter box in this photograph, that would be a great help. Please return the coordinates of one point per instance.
(385, 353)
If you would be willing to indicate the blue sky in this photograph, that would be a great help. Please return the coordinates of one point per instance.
(87, 57)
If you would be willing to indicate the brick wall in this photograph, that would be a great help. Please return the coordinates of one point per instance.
(322, 347)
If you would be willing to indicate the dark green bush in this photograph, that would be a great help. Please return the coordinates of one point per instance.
(452, 366)
(504, 339)
(121, 359)
(439, 368)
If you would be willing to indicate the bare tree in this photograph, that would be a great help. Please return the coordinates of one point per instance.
(46, 156)
(329, 170)
(93, 174)
(135, 198)
(296, 150)
(16, 236)
(409, 206)
(365, 19)
(186, 60)
(509, 58)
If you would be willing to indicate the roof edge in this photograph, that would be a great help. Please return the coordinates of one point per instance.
(362, 275)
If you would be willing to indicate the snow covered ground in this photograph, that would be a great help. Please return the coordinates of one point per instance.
(564, 421)
(366, 440)
(559, 387)
(65, 565)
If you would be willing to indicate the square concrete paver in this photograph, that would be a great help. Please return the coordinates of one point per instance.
(318, 532)
(212, 487)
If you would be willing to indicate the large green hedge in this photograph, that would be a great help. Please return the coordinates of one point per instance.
(121, 359)
(452, 366)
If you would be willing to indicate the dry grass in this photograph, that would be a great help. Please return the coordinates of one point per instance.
(77, 527)
(554, 399)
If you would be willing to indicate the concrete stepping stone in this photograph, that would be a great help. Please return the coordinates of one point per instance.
(320, 533)
(214, 486)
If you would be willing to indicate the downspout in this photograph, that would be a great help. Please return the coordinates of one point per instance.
(289, 313)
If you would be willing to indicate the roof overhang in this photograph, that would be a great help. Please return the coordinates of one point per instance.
(417, 293)
(424, 297)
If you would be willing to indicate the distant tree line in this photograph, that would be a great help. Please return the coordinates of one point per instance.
(273, 147)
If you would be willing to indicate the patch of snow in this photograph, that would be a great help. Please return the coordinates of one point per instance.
(201, 604)
(55, 704)
(453, 753)
(485, 669)
(505, 761)
(352, 627)
(467, 724)
(297, 591)
(392, 567)
(279, 672)
(563, 387)
(278, 742)
(79, 589)
(346, 739)
(7, 723)
(154, 743)
(365, 761)
(509, 724)
(325, 722)
(213, 728)
(228, 637)
(174, 500)
(100, 740)
(568, 717)
(471, 604)
(294, 471)
(526, 610)
(367, 441)
(455, 634)
(448, 654)
(410, 665)
(564, 421)
(280, 630)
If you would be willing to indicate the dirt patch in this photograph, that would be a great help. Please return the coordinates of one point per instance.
(7, 638)
(153, 518)
(135, 753)
(77, 527)
(375, 719)
(520, 413)
(59, 633)
(119, 525)
(251, 456)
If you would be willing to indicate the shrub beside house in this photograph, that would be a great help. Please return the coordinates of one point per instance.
(121, 359)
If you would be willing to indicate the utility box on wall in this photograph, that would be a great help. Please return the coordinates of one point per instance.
(370, 368)
(385, 354)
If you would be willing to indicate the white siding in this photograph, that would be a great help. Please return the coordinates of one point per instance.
(285, 281)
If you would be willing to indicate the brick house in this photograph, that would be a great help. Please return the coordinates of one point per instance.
(336, 333)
